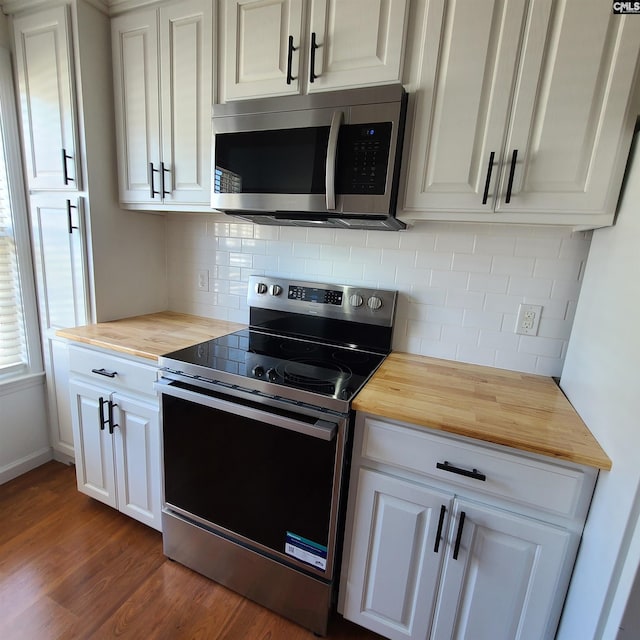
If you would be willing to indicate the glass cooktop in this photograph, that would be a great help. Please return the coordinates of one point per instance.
(300, 364)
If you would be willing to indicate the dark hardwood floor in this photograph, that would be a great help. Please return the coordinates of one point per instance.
(71, 567)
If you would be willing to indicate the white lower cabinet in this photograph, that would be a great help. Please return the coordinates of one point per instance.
(393, 568)
(116, 427)
(499, 581)
(431, 549)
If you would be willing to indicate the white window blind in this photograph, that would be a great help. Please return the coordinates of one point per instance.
(13, 351)
(19, 348)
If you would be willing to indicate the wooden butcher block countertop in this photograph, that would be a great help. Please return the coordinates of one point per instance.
(523, 411)
(151, 335)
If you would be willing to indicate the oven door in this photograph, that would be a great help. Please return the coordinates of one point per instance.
(266, 478)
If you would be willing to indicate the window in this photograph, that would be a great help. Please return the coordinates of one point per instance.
(19, 350)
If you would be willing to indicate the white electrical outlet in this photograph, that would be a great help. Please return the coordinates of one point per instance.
(528, 319)
(203, 280)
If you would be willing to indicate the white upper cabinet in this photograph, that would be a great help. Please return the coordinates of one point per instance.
(282, 47)
(47, 99)
(570, 126)
(258, 59)
(163, 75)
(522, 111)
(355, 43)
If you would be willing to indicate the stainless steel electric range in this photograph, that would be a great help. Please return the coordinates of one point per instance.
(256, 440)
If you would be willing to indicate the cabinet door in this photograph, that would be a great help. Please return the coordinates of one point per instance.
(256, 47)
(465, 74)
(95, 471)
(60, 261)
(505, 581)
(45, 85)
(137, 456)
(358, 42)
(186, 76)
(393, 568)
(570, 119)
(137, 105)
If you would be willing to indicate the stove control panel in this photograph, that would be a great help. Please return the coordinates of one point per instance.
(373, 306)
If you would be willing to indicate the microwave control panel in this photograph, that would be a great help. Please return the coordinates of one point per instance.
(363, 158)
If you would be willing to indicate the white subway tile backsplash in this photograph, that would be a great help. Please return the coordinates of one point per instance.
(459, 285)
(430, 260)
(475, 355)
(512, 266)
(495, 245)
(530, 287)
(470, 300)
(452, 242)
(544, 247)
(488, 283)
(226, 243)
(449, 279)
(471, 262)
(306, 250)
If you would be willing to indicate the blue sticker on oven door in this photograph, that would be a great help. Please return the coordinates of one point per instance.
(306, 550)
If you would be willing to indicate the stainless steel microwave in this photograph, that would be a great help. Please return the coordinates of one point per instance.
(326, 159)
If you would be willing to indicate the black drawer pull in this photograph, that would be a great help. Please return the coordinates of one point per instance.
(475, 474)
(105, 372)
(443, 511)
(456, 548)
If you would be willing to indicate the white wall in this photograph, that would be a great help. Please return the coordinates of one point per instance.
(460, 285)
(601, 378)
(24, 440)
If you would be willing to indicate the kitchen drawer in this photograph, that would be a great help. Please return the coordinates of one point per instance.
(556, 488)
(130, 375)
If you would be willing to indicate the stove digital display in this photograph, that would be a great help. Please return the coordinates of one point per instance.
(313, 294)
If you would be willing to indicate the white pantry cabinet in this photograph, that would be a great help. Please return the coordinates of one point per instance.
(163, 79)
(448, 537)
(286, 47)
(60, 264)
(522, 111)
(93, 261)
(116, 423)
(43, 56)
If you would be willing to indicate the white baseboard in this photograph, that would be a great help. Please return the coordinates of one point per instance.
(17, 468)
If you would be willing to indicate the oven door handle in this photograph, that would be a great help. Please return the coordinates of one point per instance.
(322, 429)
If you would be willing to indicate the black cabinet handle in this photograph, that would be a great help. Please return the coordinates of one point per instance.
(101, 419)
(512, 171)
(290, 60)
(65, 171)
(162, 172)
(112, 424)
(152, 187)
(105, 372)
(487, 182)
(443, 511)
(475, 474)
(69, 221)
(456, 548)
(312, 58)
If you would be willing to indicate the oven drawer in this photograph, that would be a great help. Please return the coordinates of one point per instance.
(113, 371)
(556, 488)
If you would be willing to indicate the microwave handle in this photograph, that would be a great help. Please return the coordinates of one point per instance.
(330, 167)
